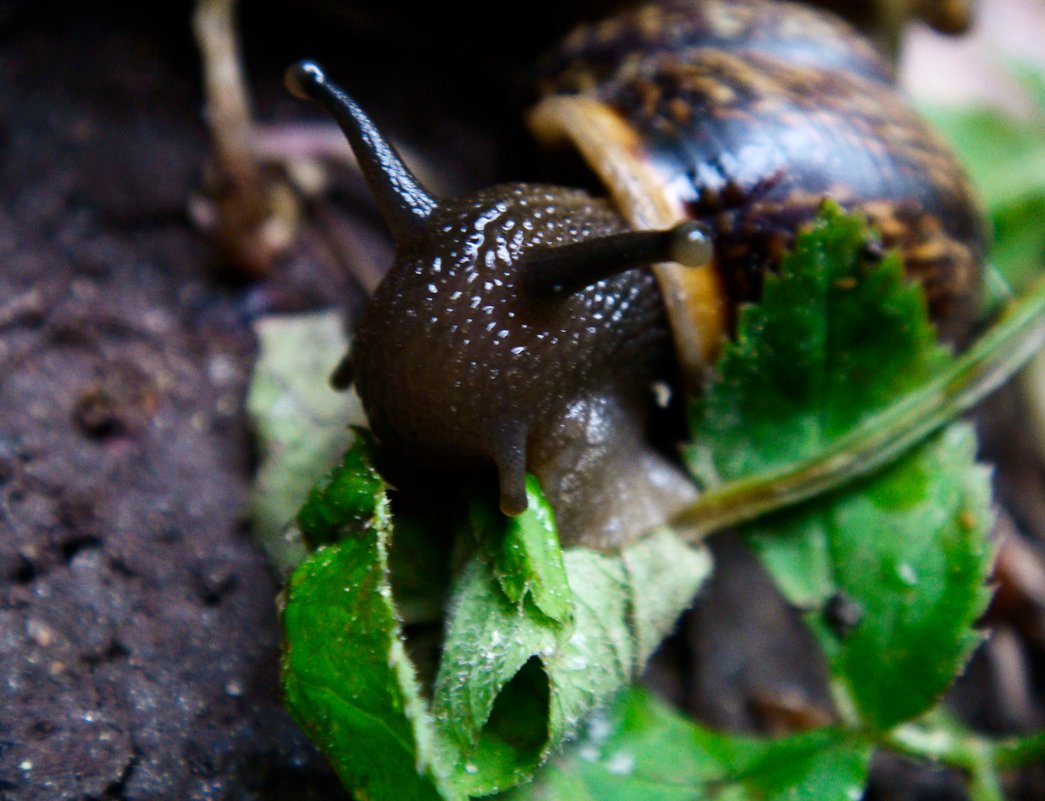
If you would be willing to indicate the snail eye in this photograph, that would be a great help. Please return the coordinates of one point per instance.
(691, 244)
(405, 204)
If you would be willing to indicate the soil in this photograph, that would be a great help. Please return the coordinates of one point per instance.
(138, 631)
(138, 634)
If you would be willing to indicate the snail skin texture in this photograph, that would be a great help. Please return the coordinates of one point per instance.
(521, 328)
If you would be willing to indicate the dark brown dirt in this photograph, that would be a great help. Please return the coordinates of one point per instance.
(138, 635)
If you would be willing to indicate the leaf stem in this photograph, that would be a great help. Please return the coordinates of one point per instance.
(1013, 339)
(1012, 752)
(957, 749)
(982, 758)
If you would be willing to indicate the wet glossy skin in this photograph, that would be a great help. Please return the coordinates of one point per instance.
(459, 364)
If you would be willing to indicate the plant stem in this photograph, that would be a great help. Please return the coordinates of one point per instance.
(1013, 339)
(228, 112)
(255, 219)
(957, 749)
(1013, 752)
(980, 757)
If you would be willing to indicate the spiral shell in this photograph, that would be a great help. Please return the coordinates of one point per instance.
(746, 114)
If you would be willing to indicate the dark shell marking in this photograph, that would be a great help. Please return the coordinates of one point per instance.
(791, 33)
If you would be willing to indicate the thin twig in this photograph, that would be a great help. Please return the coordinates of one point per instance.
(255, 219)
(228, 112)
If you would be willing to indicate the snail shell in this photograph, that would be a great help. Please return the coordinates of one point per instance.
(746, 114)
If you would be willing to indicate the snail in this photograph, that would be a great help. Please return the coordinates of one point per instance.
(521, 327)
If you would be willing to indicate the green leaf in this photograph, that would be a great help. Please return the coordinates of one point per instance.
(640, 749)
(1019, 243)
(835, 338)
(513, 684)
(489, 641)
(1013, 339)
(513, 681)
(904, 559)
(346, 675)
(344, 500)
(526, 553)
(421, 583)
(893, 567)
(942, 738)
(300, 423)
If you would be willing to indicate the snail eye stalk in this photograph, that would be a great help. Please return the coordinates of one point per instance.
(570, 268)
(404, 203)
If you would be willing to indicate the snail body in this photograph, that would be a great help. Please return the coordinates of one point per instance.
(519, 327)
